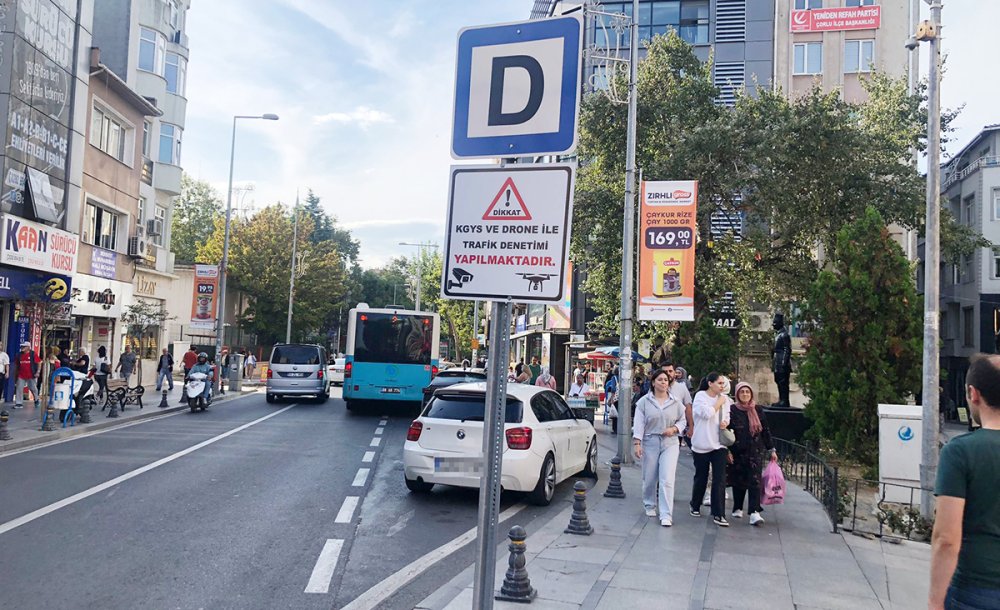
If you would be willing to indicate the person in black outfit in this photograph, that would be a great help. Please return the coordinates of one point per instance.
(746, 456)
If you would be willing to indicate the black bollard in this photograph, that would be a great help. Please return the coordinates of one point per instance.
(85, 406)
(615, 484)
(579, 524)
(4, 432)
(49, 425)
(163, 400)
(113, 406)
(516, 585)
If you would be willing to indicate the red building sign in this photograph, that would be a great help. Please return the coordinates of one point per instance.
(837, 19)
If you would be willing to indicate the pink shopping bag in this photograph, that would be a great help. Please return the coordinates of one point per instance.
(772, 485)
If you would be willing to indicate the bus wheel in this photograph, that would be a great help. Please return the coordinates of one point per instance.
(349, 404)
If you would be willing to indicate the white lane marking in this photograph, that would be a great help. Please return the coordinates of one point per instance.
(399, 525)
(379, 431)
(45, 510)
(361, 477)
(376, 441)
(346, 513)
(385, 589)
(369, 456)
(326, 564)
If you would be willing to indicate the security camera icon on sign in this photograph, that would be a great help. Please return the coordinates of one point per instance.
(462, 277)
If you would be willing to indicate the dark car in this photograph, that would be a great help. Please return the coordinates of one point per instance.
(450, 377)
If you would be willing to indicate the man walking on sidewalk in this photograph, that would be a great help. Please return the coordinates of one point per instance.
(965, 545)
(4, 373)
(165, 370)
(126, 363)
(27, 370)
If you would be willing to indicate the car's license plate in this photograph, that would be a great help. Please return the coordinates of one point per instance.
(467, 465)
(297, 374)
(390, 390)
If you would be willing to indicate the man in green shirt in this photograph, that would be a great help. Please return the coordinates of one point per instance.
(965, 546)
(535, 368)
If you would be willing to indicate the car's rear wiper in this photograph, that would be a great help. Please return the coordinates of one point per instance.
(472, 418)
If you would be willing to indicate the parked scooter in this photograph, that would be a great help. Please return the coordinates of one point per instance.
(194, 389)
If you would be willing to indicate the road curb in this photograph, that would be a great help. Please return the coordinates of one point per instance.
(106, 424)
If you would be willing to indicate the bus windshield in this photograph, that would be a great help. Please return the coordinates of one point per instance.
(393, 338)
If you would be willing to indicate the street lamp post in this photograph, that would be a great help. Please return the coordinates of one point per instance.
(420, 258)
(223, 268)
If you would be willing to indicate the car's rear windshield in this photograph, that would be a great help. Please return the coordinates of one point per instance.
(465, 376)
(469, 408)
(295, 354)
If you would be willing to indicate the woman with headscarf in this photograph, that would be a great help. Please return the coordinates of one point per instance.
(545, 380)
(746, 456)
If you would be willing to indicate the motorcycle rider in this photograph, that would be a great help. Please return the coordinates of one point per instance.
(204, 367)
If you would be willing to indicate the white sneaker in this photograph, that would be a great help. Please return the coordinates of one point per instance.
(650, 512)
(756, 519)
(738, 513)
(666, 522)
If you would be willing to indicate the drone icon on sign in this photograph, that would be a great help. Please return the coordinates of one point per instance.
(535, 279)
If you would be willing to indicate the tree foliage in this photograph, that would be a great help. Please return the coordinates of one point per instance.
(195, 213)
(864, 337)
(260, 265)
(702, 348)
(793, 172)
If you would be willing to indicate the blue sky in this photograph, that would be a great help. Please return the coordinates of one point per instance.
(364, 92)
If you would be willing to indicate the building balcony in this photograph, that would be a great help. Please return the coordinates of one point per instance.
(965, 172)
(167, 178)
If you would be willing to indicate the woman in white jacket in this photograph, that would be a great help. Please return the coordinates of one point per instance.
(711, 414)
(659, 422)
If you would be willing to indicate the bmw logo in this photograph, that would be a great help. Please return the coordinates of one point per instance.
(905, 433)
(460, 434)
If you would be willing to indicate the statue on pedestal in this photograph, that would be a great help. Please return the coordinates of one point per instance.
(781, 364)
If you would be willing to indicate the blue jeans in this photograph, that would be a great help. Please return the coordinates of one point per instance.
(972, 598)
(659, 466)
(164, 374)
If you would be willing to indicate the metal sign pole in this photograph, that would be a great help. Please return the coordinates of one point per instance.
(493, 430)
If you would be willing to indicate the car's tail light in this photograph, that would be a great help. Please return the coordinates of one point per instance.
(319, 374)
(434, 371)
(413, 434)
(347, 370)
(519, 438)
(270, 374)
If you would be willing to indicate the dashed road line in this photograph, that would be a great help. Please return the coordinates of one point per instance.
(376, 441)
(379, 431)
(346, 513)
(361, 477)
(326, 564)
(369, 456)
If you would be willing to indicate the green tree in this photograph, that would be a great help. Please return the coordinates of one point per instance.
(702, 348)
(195, 213)
(260, 265)
(142, 319)
(865, 337)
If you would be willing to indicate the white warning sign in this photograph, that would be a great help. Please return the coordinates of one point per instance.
(508, 232)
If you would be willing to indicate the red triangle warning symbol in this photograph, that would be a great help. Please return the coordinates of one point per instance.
(507, 205)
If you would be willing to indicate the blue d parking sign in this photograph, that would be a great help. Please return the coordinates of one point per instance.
(517, 89)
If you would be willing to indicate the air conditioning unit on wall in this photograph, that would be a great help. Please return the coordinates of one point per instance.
(760, 321)
(137, 247)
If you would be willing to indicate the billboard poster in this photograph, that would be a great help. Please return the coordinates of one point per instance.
(668, 230)
(836, 19)
(205, 298)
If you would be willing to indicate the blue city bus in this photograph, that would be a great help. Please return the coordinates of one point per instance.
(391, 354)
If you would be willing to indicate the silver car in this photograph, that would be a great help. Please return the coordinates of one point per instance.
(298, 369)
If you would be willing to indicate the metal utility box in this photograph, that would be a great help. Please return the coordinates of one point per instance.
(899, 438)
(235, 372)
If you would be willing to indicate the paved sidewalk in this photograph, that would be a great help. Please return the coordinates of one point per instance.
(792, 561)
(25, 424)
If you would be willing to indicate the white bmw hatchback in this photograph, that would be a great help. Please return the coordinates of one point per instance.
(544, 442)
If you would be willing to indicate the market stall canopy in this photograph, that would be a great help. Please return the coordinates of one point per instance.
(609, 353)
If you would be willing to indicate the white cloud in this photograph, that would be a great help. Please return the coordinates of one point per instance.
(362, 116)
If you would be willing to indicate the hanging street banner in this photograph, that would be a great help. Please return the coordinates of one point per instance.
(508, 232)
(668, 229)
(204, 300)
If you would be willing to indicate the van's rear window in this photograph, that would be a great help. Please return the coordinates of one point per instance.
(469, 408)
(295, 354)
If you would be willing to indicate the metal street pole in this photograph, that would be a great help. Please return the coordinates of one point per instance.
(475, 330)
(493, 430)
(420, 258)
(628, 239)
(932, 271)
(220, 312)
(291, 284)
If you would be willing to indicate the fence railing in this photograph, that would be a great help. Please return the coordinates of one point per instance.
(801, 465)
(886, 510)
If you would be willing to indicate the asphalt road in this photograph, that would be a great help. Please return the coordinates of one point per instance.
(243, 506)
